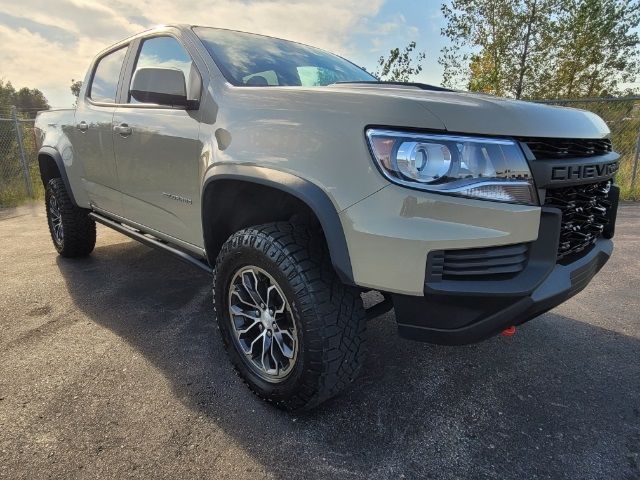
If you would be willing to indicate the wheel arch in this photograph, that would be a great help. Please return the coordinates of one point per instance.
(263, 195)
(52, 166)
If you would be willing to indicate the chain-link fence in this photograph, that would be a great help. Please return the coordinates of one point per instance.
(20, 179)
(19, 174)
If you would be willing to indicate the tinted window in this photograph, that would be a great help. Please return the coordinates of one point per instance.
(248, 59)
(267, 77)
(105, 79)
(166, 52)
(317, 76)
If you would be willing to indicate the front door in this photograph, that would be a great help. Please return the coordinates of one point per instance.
(92, 137)
(158, 151)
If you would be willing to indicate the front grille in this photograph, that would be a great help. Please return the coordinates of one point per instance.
(477, 263)
(548, 148)
(585, 215)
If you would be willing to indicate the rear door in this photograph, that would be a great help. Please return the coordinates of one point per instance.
(92, 138)
(158, 148)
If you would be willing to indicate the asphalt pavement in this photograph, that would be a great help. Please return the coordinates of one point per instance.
(111, 367)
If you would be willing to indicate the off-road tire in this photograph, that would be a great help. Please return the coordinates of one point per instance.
(329, 315)
(79, 230)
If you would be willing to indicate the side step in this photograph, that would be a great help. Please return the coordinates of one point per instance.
(151, 241)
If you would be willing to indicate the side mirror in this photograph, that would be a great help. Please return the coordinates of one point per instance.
(164, 86)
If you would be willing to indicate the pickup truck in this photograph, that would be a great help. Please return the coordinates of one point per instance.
(301, 182)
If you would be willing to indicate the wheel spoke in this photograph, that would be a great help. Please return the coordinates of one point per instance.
(236, 310)
(281, 309)
(237, 294)
(276, 363)
(252, 291)
(286, 351)
(245, 330)
(286, 333)
(250, 352)
(266, 348)
(273, 288)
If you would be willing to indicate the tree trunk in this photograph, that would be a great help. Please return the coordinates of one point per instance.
(525, 52)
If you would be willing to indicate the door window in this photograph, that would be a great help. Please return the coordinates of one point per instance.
(104, 85)
(166, 52)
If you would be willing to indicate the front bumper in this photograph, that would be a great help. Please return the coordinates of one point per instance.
(390, 233)
(456, 313)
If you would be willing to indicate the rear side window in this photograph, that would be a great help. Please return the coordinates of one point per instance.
(167, 52)
(104, 85)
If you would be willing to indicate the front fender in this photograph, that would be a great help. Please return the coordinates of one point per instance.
(309, 193)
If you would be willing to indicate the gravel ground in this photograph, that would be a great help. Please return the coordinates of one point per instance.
(110, 367)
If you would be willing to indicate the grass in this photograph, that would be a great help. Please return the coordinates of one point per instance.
(623, 179)
(13, 191)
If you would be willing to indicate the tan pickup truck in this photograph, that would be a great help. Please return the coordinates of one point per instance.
(300, 182)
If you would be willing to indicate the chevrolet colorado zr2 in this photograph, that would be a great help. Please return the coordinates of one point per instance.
(300, 182)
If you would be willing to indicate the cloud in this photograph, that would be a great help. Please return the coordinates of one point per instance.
(33, 56)
(394, 31)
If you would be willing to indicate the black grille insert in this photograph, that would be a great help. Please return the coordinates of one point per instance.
(549, 148)
(585, 215)
(478, 263)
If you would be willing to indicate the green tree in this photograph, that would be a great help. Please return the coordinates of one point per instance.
(541, 48)
(400, 66)
(28, 101)
(598, 48)
(497, 46)
(75, 87)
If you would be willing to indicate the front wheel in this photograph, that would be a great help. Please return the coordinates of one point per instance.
(293, 331)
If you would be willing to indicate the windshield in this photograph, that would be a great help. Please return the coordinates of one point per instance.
(256, 60)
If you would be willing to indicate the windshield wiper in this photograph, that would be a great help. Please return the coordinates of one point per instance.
(421, 86)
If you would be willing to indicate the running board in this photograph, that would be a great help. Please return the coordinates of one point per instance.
(151, 241)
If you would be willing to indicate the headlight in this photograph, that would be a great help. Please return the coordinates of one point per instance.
(487, 168)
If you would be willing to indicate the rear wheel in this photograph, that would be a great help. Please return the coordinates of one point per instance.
(293, 331)
(72, 230)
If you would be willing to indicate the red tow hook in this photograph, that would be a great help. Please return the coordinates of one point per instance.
(509, 331)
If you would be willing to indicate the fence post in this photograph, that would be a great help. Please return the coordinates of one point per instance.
(634, 173)
(23, 157)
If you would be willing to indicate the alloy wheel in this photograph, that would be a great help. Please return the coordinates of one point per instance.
(55, 217)
(263, 328)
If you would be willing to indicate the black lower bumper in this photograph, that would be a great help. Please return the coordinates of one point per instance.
(462, 312)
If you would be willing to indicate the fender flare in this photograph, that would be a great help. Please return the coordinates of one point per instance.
(309, 193)
(57, 158)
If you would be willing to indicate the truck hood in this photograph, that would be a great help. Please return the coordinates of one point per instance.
(464, 112)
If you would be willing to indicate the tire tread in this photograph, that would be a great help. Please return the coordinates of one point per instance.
(333, 312)
(79, 229)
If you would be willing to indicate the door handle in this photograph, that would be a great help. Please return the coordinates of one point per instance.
(123, 130)
(82, 126)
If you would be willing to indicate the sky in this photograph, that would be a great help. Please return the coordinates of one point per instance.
(46, 43)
